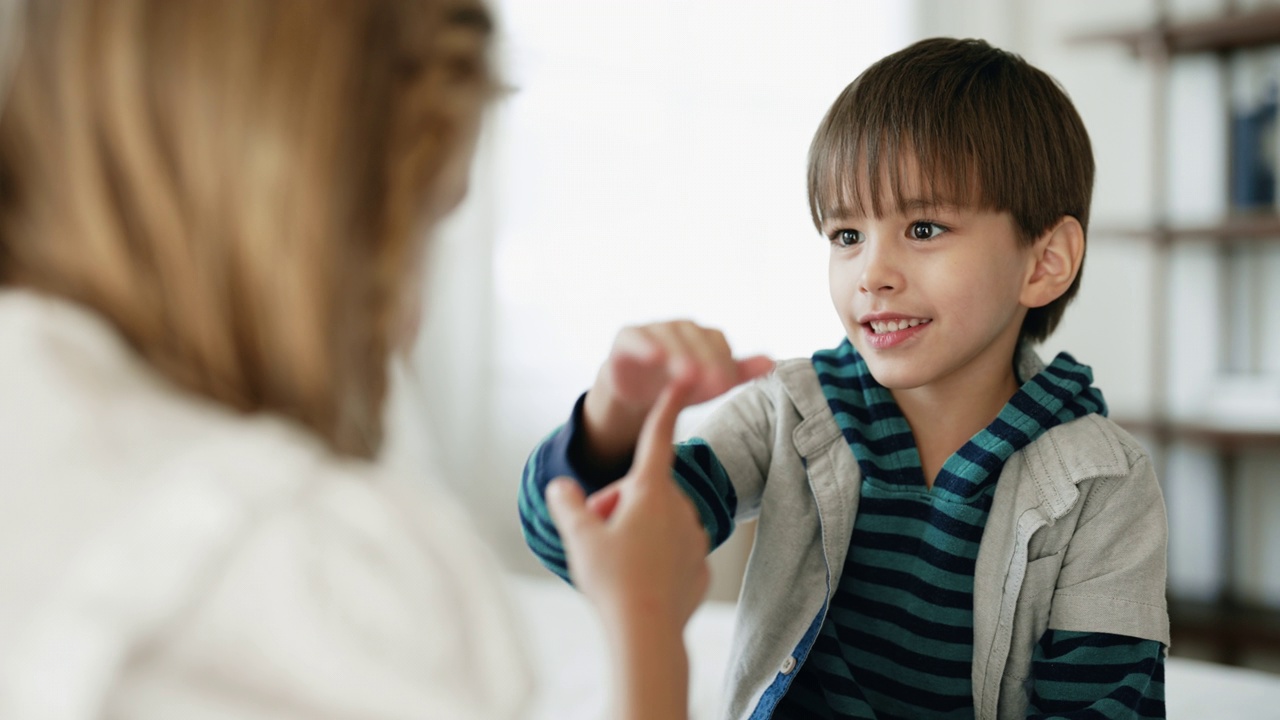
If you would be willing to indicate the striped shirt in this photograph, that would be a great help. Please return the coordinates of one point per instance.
(901, 618)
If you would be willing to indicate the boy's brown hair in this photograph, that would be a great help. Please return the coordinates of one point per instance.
(986, 129)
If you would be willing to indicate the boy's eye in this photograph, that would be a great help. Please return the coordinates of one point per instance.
(846, 238)
(926, 230)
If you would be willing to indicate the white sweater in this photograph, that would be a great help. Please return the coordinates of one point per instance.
(164, 557)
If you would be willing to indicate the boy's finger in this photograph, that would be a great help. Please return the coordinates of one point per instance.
(754, 367)
(653, 449)
(640, 345)
(711, 351)
(678, 356)
(567, 504)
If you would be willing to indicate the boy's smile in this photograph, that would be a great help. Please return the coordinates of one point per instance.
(885, 330)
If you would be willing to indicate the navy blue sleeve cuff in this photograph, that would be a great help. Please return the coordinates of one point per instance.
(563, 455)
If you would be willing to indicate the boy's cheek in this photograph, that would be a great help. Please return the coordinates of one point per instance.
(844, 305)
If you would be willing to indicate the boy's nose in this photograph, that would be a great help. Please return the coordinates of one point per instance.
(880, 273)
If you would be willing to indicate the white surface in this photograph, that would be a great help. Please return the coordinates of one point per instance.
(1206, 691)
(570, 658)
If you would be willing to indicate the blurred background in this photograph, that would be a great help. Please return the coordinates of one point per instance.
(649, 164)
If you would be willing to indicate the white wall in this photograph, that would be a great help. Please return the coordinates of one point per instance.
(653, 167)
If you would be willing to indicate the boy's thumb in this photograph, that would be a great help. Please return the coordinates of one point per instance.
(567, 503)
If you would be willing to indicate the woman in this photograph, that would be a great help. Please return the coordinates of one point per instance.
(211, 214)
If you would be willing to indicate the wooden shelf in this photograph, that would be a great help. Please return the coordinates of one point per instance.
(1227, 626)
(1225, 437)
(1229, 32)
(1250, 227)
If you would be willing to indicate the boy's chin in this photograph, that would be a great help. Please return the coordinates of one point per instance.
(898, 374)
(898, 380)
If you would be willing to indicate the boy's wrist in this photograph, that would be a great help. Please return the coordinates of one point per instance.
(610, 428)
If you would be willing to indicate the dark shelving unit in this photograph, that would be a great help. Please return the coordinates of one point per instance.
(1227, 625)
(1234, 31)
(1263, 228)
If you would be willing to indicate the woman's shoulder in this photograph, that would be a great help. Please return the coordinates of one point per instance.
(88, 428)
(236, 543)
(79, 410)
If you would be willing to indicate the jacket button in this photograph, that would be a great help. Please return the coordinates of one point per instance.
(788, 665)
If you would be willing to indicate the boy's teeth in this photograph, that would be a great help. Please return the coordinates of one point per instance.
(888, 326)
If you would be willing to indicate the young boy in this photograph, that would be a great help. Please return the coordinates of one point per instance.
(947, 527)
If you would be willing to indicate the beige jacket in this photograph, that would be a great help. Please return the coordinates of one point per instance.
(1075, 540)
(162, 557)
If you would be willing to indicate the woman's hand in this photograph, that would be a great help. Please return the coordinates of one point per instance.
(643, 567)
(648, 556)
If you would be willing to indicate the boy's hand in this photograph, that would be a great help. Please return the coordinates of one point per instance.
(643, 361)
(645, 565)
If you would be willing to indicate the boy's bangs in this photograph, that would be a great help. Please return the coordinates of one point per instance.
(869, 174)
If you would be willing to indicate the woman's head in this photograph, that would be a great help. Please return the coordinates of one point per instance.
(241, 186)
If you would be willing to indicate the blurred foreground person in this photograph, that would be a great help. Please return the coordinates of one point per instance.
(212, 215)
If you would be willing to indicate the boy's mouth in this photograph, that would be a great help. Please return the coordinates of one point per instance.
(881, 327)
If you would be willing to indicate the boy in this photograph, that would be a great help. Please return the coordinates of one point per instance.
(947, 527)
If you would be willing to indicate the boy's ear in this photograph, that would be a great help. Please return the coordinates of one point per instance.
(1054, 263)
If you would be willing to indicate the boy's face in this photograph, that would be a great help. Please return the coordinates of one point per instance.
(929, 295)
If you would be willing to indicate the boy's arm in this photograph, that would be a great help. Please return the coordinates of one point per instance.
(1114, 570)
(696, 470)
(1103, 654)
(597, 444)
(1100, 675)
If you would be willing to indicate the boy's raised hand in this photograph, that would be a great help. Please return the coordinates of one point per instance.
(646, 358)
(643, 361)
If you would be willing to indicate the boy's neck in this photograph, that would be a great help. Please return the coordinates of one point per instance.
(944, 415)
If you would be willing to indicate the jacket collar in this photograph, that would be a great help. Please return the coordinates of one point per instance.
(1070, 454)
(1060, 459)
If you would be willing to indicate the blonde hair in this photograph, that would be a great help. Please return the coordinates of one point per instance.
(238, 186)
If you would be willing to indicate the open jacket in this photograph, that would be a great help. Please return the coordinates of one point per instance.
(1075, 540)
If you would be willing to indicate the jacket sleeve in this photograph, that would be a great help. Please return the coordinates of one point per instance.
(1096, 675)
(745, 435)
(714, 486)
(1113, 574)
